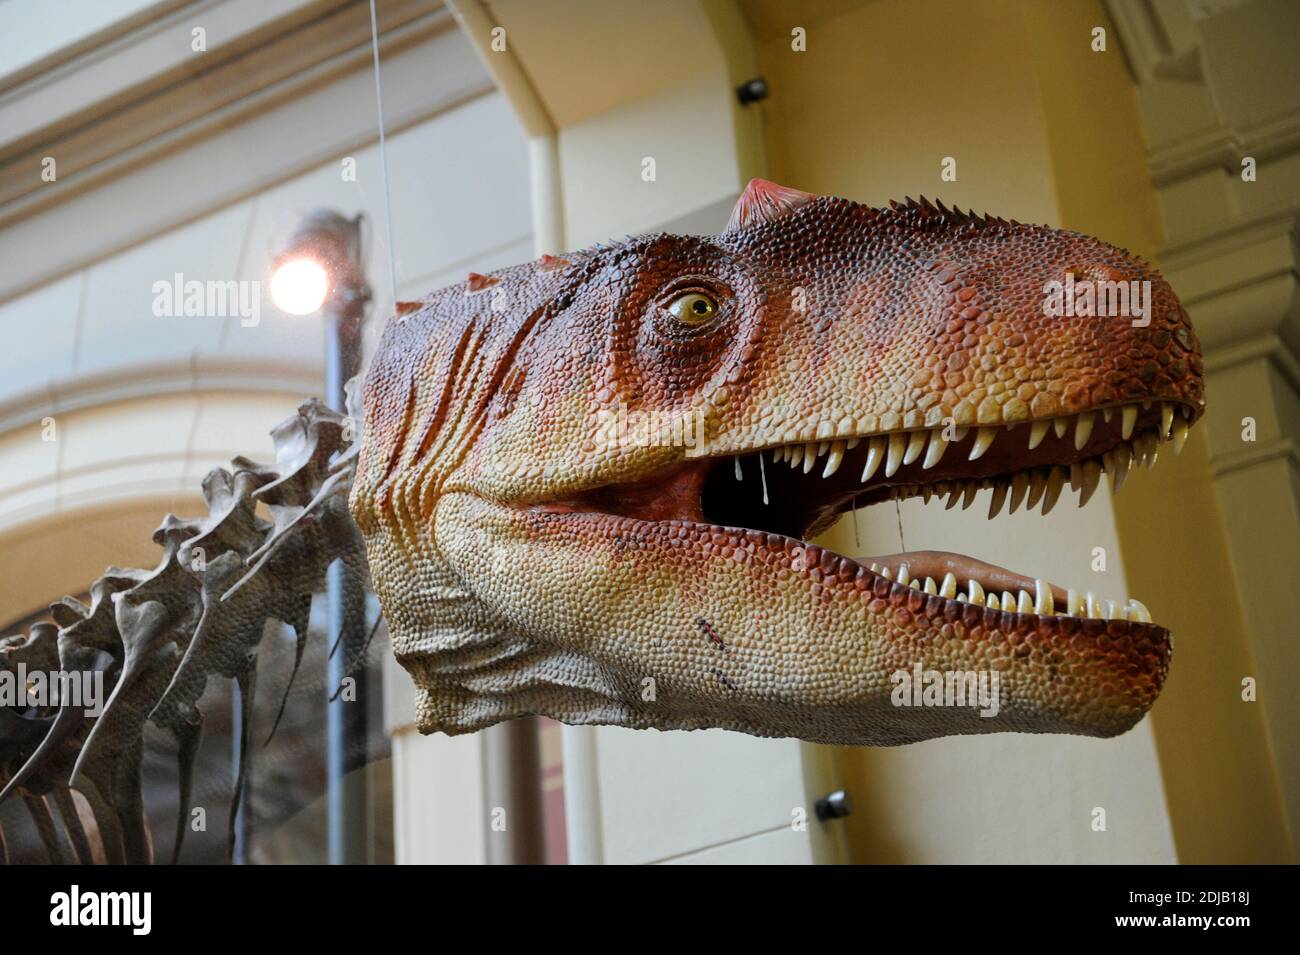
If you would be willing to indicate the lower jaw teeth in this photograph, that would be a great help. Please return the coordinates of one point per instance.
(1042, 603)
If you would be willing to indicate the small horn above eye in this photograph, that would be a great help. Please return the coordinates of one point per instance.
(476, 282)
(763, 202)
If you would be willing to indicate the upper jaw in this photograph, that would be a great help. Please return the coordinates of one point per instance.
(1026, 463)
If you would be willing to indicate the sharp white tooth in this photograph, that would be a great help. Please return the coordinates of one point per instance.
(809, 456)
(1019, 485)
(934, 451)
(887, 573)
(851, 443)
(823, 447)
(1121, 611)
(959, 434)
(1108, 609)
(1024, 603)
(875, 568)
(1166, 418)
(992, 603)
(1037, 485)
(915, 445)
(1091, 478)
(961, 599)
(949, 586)
(875, 454)
(1107, 414)
(1055, 481)
(976, 592)
(1128, 418)
(1140, 450)
(778, 454)
(930, 586)
(983, 438)
(997, 498)
(968, 494)
(1120, 460)
(894, 459)
(914, 584)
(1060, 425)
(1037, 432)
(740, 475)
(1181, 428)
(1138, 611)
(1092, 605)
(1044, 605)
(834, 459)
(1008, 601)
(904, 575)
(1073, 603)
(1083, 430)
(1147, 445)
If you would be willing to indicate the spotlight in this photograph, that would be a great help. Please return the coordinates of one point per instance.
(299, 286)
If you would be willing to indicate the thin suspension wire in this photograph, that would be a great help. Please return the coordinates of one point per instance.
(383, 153)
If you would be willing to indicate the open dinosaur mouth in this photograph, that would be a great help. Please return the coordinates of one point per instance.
(798, 491)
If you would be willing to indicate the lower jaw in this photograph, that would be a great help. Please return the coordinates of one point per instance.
(963, 582)
(1058, 674)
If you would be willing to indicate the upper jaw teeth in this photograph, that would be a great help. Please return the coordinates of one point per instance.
(888, 453)
(1042, 602)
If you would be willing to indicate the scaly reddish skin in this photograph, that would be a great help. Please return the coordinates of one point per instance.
(528, 565)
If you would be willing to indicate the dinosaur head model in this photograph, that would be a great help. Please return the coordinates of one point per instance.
(587, 484)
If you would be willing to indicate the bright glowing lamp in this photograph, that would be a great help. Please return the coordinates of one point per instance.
(299, 286)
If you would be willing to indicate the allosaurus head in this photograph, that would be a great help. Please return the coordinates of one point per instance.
(587, 483)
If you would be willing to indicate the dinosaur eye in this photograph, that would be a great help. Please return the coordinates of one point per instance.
(693, 309)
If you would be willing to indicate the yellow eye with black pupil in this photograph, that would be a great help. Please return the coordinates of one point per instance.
(693, 309)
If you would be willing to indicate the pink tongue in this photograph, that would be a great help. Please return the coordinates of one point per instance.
(936, 563)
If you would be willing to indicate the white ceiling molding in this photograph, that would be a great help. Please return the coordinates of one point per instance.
(206, 373)
(32, 43)
(286, 85)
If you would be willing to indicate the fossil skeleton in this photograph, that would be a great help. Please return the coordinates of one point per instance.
(159, 635)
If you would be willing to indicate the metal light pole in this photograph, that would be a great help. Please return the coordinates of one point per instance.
(331, 242)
